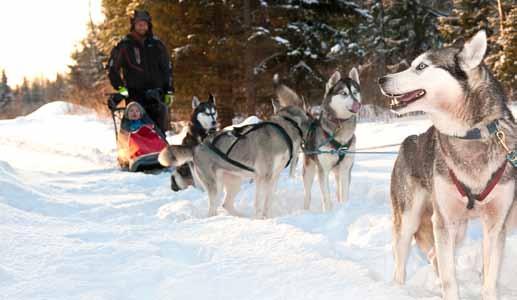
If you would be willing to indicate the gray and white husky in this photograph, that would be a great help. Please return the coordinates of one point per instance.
(257, 152)
(334, 129)
(203, 121)
(458, 169)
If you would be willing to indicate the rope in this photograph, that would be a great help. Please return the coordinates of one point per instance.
(379, 147)
(344, 150)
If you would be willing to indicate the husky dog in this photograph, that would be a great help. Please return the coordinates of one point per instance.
(333, 130)
(203, 121)
(458, 169)
(257, 152)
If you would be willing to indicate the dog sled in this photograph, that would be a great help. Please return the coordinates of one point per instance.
(137, 150)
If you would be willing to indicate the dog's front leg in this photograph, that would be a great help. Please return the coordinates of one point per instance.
(343, 175)
(323, 179)
(493, 219)
(309, 170)
(445, 232)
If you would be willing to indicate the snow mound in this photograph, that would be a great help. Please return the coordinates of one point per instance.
(58, 108)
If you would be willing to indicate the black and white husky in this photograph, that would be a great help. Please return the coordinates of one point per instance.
(459, 169)
(329, 138)
(203, 122)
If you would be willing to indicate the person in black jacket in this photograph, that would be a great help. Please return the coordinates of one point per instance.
(146, 71)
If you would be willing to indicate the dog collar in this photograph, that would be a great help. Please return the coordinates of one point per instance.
(476, 133)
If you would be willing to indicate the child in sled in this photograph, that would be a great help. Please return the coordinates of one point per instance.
(139, 140)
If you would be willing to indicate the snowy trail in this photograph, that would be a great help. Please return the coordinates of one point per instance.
(72, 226)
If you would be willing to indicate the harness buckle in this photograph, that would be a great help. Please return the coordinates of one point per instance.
(511, 156)
(501, 137)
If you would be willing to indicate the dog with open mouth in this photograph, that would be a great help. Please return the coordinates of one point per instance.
(330, 137)
(463, 167)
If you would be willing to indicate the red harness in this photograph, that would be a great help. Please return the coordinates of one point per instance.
(465, 191)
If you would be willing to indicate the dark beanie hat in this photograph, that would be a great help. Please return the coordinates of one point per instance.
(140, 15)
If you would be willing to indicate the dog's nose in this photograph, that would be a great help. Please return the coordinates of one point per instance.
(214, 123)
(382, 80)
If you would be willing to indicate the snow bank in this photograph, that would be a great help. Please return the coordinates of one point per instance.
(53, 139)
(57, 108)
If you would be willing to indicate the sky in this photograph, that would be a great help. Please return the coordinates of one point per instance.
(38, 36)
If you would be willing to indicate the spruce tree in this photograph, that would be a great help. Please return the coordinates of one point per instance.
(506, 65)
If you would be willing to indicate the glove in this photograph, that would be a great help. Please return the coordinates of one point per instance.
(168, 98)
(115, 99)
(123, 91)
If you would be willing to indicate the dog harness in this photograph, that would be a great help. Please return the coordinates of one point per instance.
(241, 132)
(465, 191)
(340, 150)
(511, 157)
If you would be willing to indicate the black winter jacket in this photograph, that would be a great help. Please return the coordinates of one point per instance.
(144, 65)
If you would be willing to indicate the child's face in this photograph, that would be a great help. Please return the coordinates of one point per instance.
(134, 113)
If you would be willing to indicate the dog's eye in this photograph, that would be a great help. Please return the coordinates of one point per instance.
(421, 66)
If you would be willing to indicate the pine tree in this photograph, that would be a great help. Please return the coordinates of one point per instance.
(506, 65)
(116, 24)
(5, 91)
(467, 18)
(26, 93)
(87, 70)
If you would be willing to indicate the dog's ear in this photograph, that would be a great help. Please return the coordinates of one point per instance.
(195, 102)
(211, 99)
(354, 75)
(276, 105)
(473, 51)
(332, 82)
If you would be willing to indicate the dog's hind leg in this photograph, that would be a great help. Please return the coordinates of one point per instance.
(406, 223)
(269, 195)
(232, 186)
(260, 195)
(212, 202)
(424, 239)
(309, 171)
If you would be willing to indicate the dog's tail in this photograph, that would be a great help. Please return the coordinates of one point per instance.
(286, 96)
(175, 155)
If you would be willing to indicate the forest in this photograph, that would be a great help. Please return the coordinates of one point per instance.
(232, 49)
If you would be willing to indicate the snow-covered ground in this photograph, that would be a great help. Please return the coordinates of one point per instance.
(72, 226)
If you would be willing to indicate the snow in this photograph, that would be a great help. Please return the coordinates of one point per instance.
(75, 227)
(336, 49)
(281, 40)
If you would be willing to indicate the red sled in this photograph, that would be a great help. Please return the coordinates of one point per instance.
(138, 150)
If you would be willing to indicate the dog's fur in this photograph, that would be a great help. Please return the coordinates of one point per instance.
(458, 92)
(338, 117)
(203, 121)
(264, 150)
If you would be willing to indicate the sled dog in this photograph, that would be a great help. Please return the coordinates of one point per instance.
(331, 133)
(203, 121)
(459, 169)
(259, 152)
